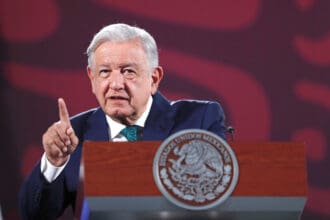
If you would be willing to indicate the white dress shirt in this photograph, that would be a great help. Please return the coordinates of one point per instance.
(51, 172)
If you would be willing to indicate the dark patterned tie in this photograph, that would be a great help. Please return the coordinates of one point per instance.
(130, 132)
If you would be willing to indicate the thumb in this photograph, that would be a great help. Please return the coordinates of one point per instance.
(63, 111)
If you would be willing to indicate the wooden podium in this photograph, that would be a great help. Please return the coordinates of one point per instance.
(117, 183)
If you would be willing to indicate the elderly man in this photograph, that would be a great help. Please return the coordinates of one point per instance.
(124, 73)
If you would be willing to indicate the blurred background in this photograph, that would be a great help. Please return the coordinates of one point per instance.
(266, 61)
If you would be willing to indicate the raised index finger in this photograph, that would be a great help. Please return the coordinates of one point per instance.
(63, 111)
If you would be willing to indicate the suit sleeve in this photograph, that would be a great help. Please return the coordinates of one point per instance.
(214, 119)
(39, 199)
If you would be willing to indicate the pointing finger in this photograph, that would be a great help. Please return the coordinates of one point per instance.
(63, 111)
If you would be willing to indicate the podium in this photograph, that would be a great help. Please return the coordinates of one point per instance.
(116, 182)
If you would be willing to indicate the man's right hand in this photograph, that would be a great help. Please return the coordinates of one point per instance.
(59, 141)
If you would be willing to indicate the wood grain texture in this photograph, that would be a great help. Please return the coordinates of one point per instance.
(125, 169)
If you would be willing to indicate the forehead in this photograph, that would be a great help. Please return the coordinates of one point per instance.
(130, 49)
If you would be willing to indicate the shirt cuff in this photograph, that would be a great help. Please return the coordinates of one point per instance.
(49, 171)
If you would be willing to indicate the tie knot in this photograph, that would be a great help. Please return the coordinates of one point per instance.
(130, 132)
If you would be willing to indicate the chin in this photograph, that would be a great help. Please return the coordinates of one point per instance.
(119, 113)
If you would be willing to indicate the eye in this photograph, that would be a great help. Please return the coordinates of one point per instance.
(104, 73)
(129, 73)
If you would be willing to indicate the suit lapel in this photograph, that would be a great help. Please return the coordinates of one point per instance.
(157, 127)
(97, 128)
(160, 121)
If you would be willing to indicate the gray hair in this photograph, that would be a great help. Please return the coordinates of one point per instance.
(123, 32)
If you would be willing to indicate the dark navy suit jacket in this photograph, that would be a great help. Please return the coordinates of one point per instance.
(42, 200)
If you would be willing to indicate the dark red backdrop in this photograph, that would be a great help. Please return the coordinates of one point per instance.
(267, 62)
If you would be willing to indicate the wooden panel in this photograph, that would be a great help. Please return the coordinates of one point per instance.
(271, 169)
(119, 168)
(125, 169)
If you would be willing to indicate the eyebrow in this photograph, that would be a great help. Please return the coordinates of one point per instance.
(135, 65)
(123, 65)
(105, 65)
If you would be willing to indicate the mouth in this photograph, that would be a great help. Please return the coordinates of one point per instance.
(119, 98)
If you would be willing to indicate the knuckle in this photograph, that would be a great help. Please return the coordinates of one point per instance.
(59, 144)
(58, 125)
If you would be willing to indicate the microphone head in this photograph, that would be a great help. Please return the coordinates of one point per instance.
(230, 129)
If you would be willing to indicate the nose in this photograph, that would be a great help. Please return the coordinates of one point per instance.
(116, 81)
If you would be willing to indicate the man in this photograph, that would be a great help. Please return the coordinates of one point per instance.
(124, 73)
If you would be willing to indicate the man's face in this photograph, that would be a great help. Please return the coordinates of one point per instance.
(122, 80)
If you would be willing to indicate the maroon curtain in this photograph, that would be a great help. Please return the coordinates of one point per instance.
(267, 62)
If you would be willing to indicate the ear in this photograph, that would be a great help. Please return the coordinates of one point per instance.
(91, 77)
(156, 77)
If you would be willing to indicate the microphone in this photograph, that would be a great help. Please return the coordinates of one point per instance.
(231, 131)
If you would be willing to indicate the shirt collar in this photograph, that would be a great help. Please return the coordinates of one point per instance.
(115, 127)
